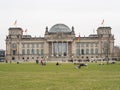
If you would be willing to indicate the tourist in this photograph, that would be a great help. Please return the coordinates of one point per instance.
(37, 61)
(57, 63)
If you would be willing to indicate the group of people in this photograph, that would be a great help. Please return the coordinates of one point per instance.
(41, 61)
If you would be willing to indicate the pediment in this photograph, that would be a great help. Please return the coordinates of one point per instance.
(60, 36)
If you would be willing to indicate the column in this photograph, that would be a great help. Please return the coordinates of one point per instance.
(52, 49)
(62, 49)
(57, 43)
(67, 49)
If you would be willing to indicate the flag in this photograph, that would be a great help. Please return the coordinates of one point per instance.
(102, 22)
(79, 38)
(15, 22)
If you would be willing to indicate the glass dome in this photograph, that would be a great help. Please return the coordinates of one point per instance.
(60, 28)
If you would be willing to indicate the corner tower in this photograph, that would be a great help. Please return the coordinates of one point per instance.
(106, 41)
(13, 43)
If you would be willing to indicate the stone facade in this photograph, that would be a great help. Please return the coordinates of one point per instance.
(59, 43)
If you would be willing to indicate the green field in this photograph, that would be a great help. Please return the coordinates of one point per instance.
(30, 76)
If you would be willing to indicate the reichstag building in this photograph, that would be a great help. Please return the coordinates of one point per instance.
(59, 44)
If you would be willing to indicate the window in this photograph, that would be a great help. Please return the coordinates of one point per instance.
(82, 51)
(23, 51)
(37, 51)
(33, 52)
(91, 51)
(14, 52)
(28, 51)
(87, 51)
(77, 51)
(96, 51)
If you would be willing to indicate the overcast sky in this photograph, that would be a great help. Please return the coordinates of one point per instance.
(34, 15)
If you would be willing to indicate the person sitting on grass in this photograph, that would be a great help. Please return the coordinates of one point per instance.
(81, 64)
(57, 63)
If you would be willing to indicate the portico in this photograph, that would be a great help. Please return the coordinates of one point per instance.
(60, 48)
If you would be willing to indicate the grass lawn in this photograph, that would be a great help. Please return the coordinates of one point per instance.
(31, 76)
